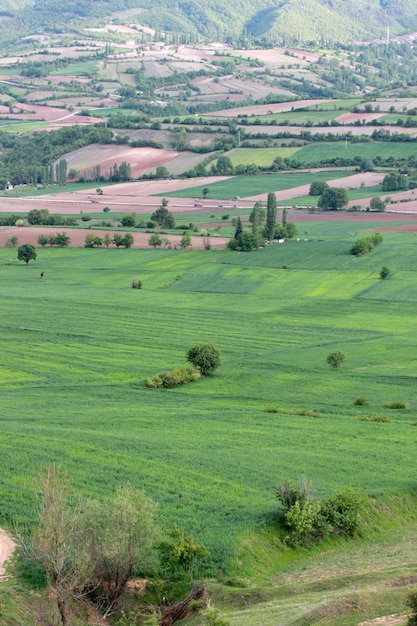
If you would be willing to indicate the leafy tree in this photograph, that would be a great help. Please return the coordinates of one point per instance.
(333, 199)
(246, 242)
(169, 221)
(56, 543)
(155, 240)
(107, 240)
(127, 240)
(26, 253)
(257, 217)
(205, 356)
(179, 553)
(160, 214)
(118, 239)
(62, 240)
(12, 241)
(118, 536)
(271, 216)
(206, 192)
(318, 188)
(161, 172)
(224, 166)
(128, 221)
(335, 359)
(377, 204)
(185, 241)
(394, 182)
(42, 240)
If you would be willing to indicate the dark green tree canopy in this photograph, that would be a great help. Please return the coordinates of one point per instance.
(205, 356)
(333, 199)
(26, 253)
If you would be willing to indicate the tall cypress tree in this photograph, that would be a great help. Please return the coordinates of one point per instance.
(239, 228)
(271, 216)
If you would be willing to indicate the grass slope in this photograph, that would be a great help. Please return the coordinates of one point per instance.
(77, 346)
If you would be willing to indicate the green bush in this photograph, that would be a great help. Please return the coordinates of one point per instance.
(342, 511)
(303, 520)
(396, 404)
(361, 401)
(289, 492)
(173, 378)
(204, 356)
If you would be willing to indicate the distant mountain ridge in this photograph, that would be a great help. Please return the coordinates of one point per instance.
(290, 20)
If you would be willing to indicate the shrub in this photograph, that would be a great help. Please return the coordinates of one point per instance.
(301, 520)
(412, 604)
(136, 284)
(385, 272)
(361, 401)
(396, 404)
(289, 492)
(335, 359)
(342, 511)
(173, 378)
(205, 356)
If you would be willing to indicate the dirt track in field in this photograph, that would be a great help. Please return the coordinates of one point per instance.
(7, 546)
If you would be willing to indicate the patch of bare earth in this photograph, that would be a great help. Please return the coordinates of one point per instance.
(30, 234)
(264, 109)
(141, 160)
(351, 118)
(7, 546)
(386, 620)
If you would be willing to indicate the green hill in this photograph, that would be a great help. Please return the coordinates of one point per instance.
(290, 20)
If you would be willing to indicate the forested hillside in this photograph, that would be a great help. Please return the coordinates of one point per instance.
(271, 20)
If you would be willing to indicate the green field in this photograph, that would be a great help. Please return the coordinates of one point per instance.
(252, 185)
(345, 150)
(78, 345)
(261, 156)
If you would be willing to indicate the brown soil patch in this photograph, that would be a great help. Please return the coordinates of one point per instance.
(7, 546)
(351, 118)
(30, 234)
(386, 620)
(141, 159)
(264, 109)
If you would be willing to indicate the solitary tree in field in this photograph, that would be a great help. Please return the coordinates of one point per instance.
(333, 199)
(26, 253)
(206, 191)
(205, 356)
(271, 216)
(385, 272)
(155, 240)
(335, 359)
(185, 241)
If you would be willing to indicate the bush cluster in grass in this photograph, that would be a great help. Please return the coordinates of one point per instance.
(364, 245)
(302, 412)
(309, 520)
(173, 378)
(383, 419)
(396, 404)
(361, 401)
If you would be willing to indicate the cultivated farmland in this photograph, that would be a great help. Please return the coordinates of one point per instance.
(79, 343)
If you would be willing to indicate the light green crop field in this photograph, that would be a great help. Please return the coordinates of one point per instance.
(260, 156)
(252, 185)
(345, 150)
(298, 117)
(77, 346)
(78, 69)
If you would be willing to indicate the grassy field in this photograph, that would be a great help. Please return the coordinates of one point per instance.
(260, 156)
(252, 185)
(78, 345)
(345, 150)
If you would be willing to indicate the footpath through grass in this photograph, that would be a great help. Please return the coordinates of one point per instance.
(77, 346)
